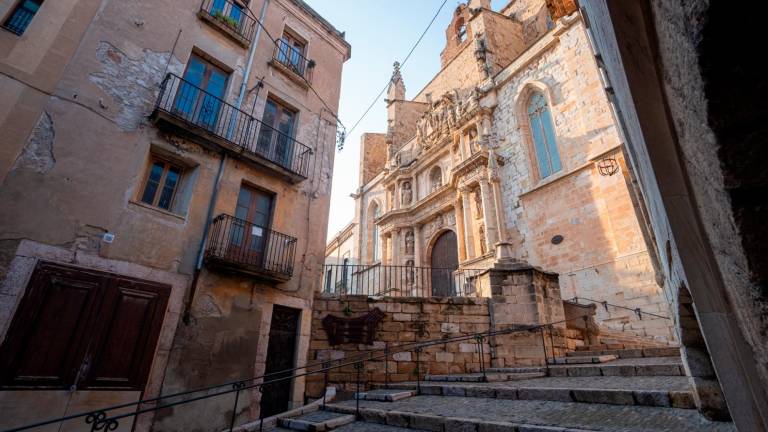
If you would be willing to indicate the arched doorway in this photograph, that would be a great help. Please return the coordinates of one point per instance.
(444, 261)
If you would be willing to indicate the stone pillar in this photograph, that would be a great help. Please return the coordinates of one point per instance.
(417, 252)
(396, 196)
(396, 246)
(468, 238)
(503, 246)
(489, 215)
(462, 143)
(460, 227)
(384, 252)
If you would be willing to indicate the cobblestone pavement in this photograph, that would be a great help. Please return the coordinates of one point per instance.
(660, 383)
(597, 417)
(358, 427)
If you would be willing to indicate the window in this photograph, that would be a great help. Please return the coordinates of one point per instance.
(18, 21)
(290, 52)
(275, 141)
(461, 32)
(228, 11)
(162, 183)
(376, 213)
(199, 97)
(543, 133)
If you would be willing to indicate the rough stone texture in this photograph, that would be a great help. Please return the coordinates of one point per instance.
(568, 415)
(38, 154)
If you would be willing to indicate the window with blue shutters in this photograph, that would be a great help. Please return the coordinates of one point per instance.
(18, 21)
(543, 134)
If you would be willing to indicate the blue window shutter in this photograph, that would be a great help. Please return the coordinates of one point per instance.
(549, 134)
(543, 133)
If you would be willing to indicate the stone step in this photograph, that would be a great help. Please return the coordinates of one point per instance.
(385, 395)
(656, 398)
(649, 368)
(438, 413)
(628, 353)
(317, 421)
(585, 359)
(488, 377)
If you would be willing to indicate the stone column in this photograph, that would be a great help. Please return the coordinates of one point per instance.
(396, 246)
(383, 246)
(462, 143)
(489, 214)
(503, 246)
(396, 196)
(460, 227)
(417, 252)
(468, 238)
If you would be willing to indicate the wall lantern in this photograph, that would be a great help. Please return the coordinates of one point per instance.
(607, 166)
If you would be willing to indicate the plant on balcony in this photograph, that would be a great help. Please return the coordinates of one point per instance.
(226, 19)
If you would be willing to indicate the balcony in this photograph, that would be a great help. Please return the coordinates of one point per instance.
(239, 246)
(232, 18)
(198, 115)
(402, 281)
(292, 63)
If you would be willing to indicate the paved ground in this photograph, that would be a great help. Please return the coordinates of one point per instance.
(597, 417)
(358, 427)
(660, 383)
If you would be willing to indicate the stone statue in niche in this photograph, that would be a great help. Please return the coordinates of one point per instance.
(409, 242)
(406, 194)
(479, 203)
(409, 273)
(481, 234)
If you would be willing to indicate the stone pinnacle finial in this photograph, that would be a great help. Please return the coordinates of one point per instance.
(396, 86)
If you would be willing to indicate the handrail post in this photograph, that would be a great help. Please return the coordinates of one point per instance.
(552, 341)
(418, 370)
(358, 368)
(260, 388)
(480, 339)
(326, 367)
(544, 346)
(237, 387)
(386, 364)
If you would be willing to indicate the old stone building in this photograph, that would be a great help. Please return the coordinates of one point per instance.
(159, 162)
(510, 152)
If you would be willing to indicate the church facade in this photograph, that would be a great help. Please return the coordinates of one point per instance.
(510, 153)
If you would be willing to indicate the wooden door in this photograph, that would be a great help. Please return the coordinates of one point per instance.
(83, 329)
(445, 260)
(281, 352)
(250, 234)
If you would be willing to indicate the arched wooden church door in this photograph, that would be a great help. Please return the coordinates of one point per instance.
(445, 260)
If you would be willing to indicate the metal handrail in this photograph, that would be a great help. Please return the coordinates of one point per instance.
(639, 312)
(284, 53)
(400, 280)
(242, 242)
(198, 107)
(98, 419)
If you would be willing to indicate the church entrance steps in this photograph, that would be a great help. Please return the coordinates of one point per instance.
(628, 352)
(629, 367)
(476, 414)
(585, 359)
(385, 395)
(317, 421)
(666, 391)
(488, 377)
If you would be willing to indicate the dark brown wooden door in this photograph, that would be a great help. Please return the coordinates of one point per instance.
(250, 234)
(445, 260)
(281, 351)
(79, 329)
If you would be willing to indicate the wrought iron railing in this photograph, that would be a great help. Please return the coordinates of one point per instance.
(195, 106)
(402, 281)
(109, 418)
(232, 15)
(637, 311)
(239, 242)
(293, 59)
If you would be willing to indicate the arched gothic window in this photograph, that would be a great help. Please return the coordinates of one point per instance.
(543, 133)
(461, 31)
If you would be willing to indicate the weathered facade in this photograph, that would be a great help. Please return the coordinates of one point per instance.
(161, 156)
(513, 150)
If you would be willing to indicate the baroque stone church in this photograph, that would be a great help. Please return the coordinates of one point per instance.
(511, 153)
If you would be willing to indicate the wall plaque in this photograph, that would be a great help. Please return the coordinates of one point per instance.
(352, 330)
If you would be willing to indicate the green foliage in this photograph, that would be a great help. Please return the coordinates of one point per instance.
(226, 19)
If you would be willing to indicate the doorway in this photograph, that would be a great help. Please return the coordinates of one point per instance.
(444, 262)
(281, 356)
(200, 94)
(250, 233)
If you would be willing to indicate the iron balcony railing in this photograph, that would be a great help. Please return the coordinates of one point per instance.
(293, 59)
(185, 101)
(402, 281)
(239, 242)
(232, 15)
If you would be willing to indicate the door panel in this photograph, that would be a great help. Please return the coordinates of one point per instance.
(199, 96)
(445, 260)
(251, 230)
(44, 347)
(281, 352)
(132, 319)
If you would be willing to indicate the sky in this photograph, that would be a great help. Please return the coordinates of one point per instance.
(380, 32)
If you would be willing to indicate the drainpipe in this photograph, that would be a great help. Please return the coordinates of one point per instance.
(220, 172)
